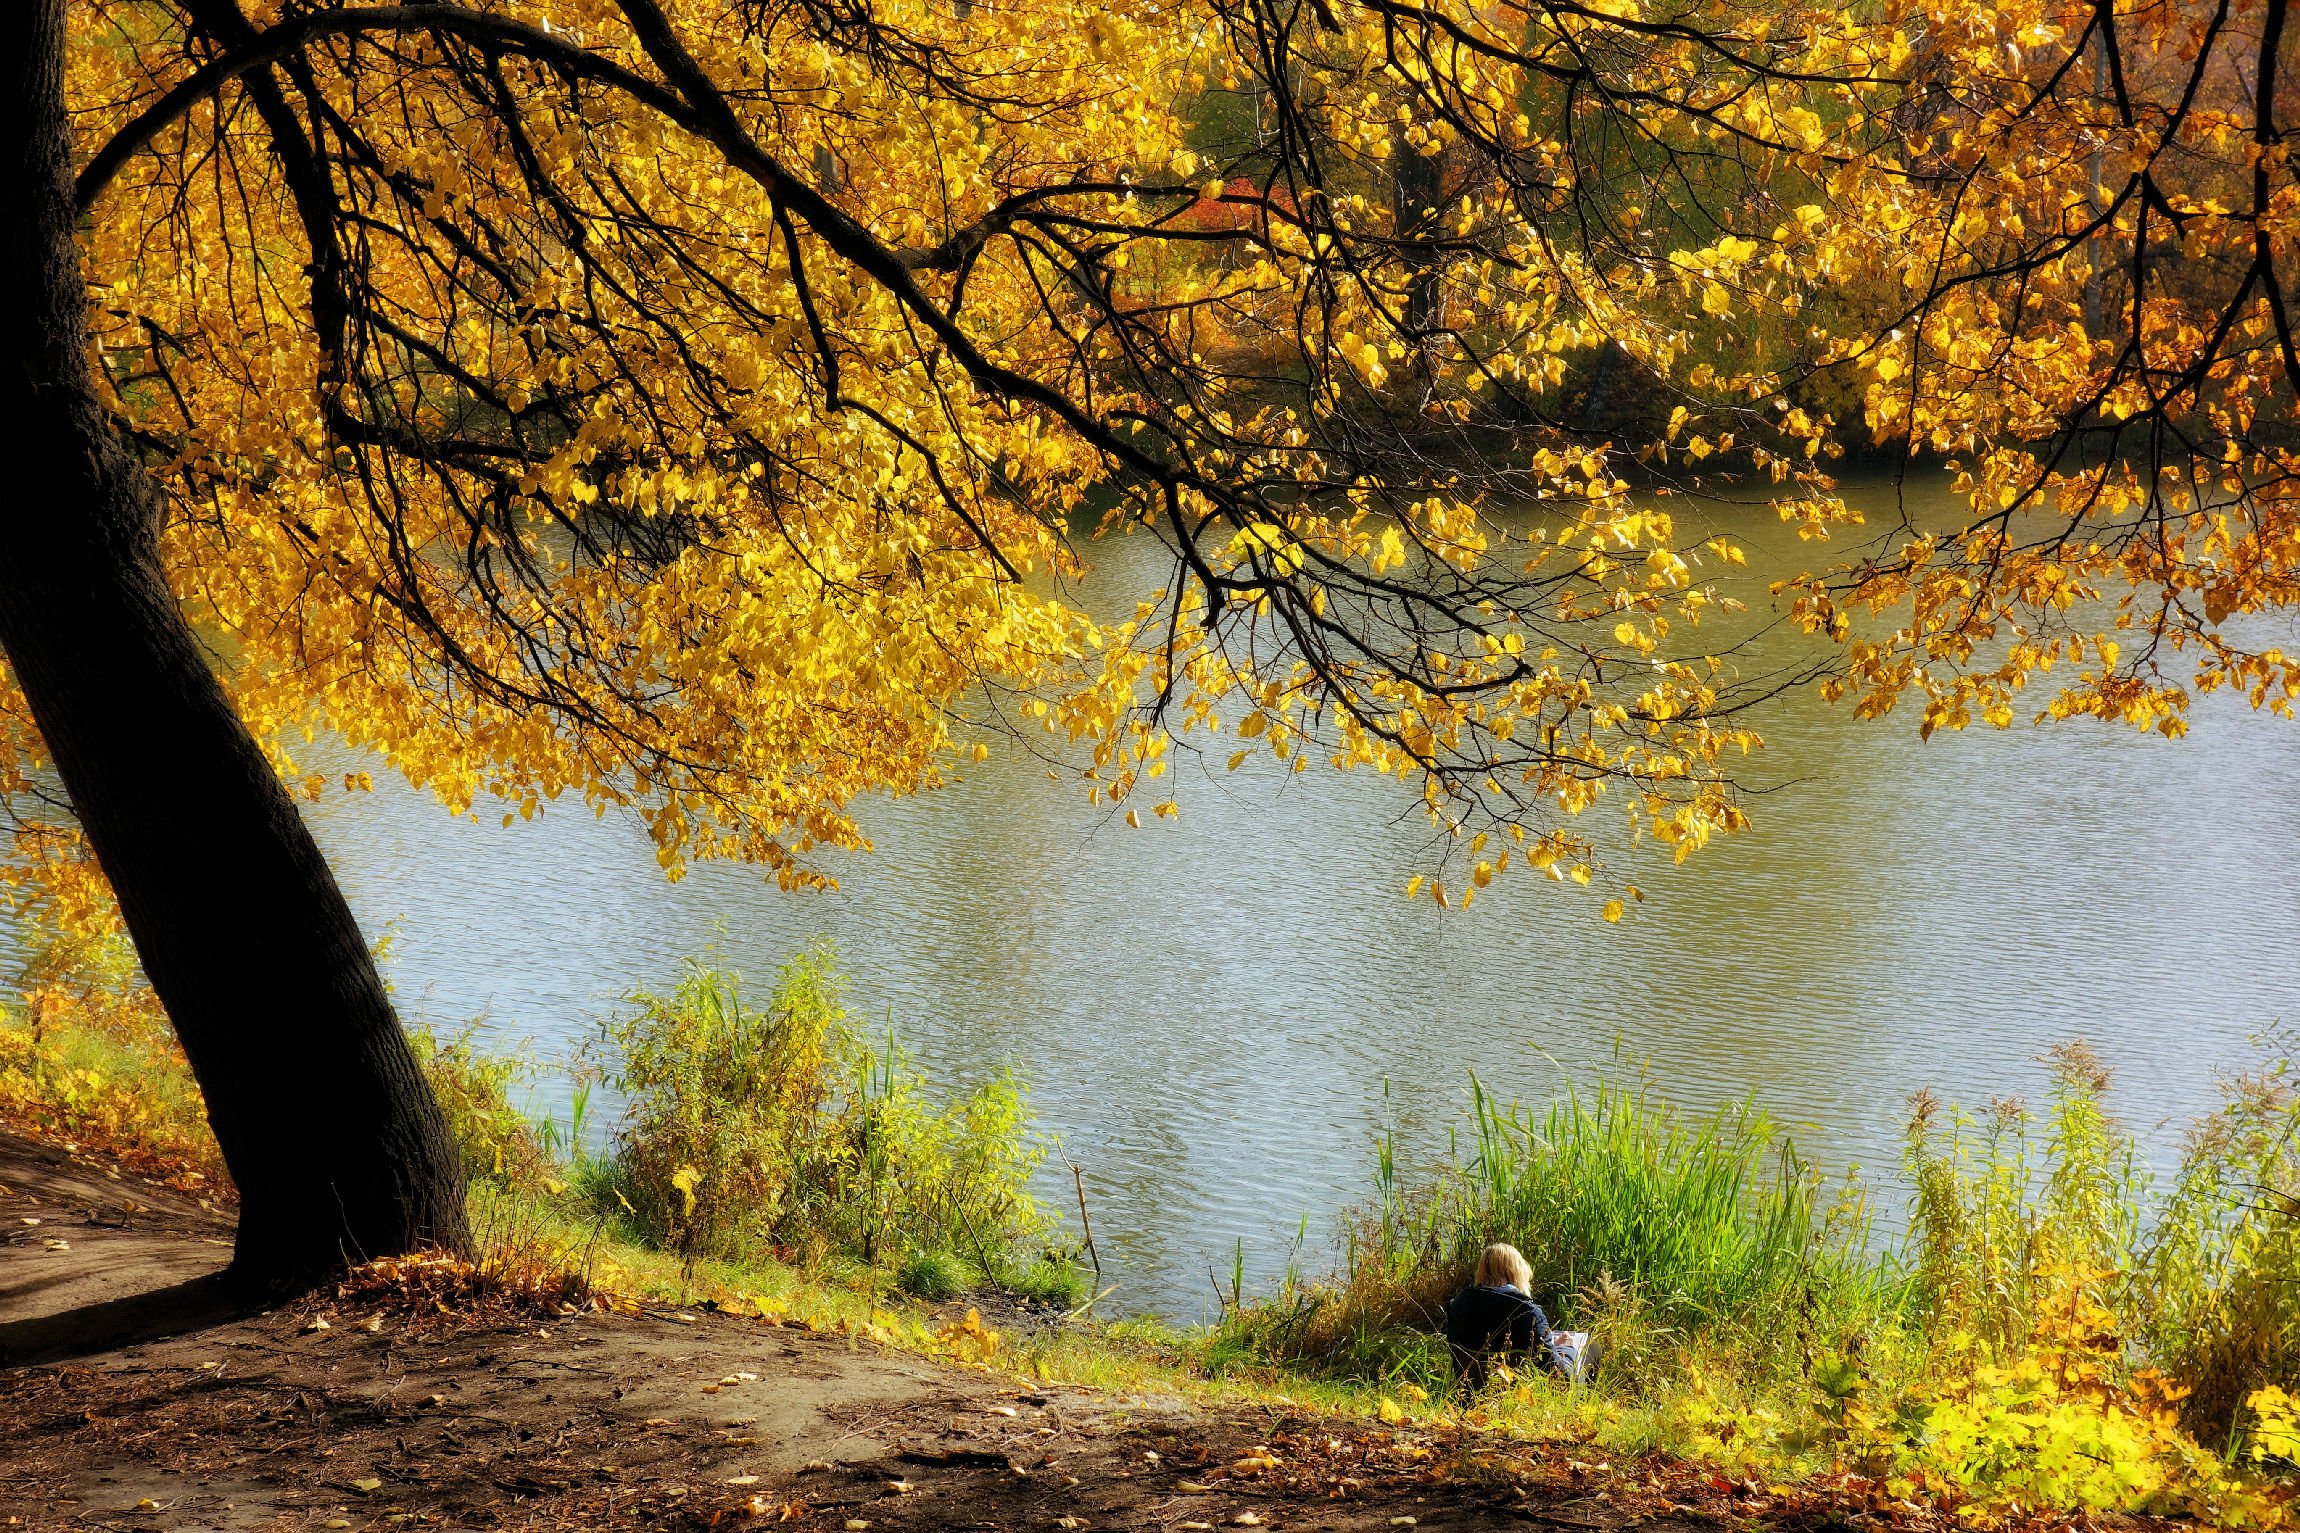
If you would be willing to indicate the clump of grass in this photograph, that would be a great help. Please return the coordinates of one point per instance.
(1673, 1237)
(1053, 1280)
(934, 1276)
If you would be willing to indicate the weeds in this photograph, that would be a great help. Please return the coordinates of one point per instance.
(1677, 1240)
(775, 1132)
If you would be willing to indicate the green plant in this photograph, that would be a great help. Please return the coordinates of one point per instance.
(752, 1131)
(2216, 1285)
(499, 1143)
(728, 1104)
(1053, 1280)
(1672, 1237)
(934, 1276)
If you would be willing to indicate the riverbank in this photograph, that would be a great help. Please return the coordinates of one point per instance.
(405, 1398)
(2057, 1334)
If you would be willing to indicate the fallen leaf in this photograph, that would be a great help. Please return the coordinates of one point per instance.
(651, 1421)
(1401, 1522)
(816, 1466)
(54, 1244)
(1246, 1520)
(1193, 1488)
(317, 1323)
(996, 1410)
(710, 1389)
(899, 1487)
(147, 1505)
(372, 1323)
(857, 1524)
(367, 1485)
(742, 1479)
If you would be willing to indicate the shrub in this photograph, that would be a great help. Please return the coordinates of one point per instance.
(727, 1104)
(752, 1130)
(498, 1142)
(114, 1078)
(2217, 1284)
(90, 1056)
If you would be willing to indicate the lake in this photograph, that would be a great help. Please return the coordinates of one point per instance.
(1217, 1014)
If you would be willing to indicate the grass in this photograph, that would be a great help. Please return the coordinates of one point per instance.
(97, 1064)
(1679, 1241)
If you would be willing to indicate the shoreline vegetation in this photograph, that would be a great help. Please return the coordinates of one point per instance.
(2055, 1331)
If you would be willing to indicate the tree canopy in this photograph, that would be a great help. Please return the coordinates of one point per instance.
(694, 406)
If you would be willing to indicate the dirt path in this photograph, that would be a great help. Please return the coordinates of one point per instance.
(394, 1415)
(75, 1230)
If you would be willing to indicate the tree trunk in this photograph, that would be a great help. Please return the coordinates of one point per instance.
(1417, 185)
(338, 1148)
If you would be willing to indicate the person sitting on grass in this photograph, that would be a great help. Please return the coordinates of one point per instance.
(1495, 1316)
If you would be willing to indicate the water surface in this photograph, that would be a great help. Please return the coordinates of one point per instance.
(1218, 1013)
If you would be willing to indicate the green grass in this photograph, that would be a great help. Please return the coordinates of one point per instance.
(1682, 1241)
(934, 1276)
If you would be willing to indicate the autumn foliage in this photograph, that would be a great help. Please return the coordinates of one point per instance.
(693, 413)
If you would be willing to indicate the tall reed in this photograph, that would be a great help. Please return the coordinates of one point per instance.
(1662, 1230)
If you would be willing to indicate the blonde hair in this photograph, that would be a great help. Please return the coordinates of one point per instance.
(1504, 1265)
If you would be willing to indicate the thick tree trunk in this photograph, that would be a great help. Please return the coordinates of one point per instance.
(337, 1146)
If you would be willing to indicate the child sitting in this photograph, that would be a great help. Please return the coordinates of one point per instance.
(1495, 1315)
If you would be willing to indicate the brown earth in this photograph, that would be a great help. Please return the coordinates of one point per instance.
(400, 1412)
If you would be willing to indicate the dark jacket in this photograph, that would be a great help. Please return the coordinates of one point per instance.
(1480, 1322)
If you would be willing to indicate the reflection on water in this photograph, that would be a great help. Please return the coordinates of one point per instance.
(1208, 1008)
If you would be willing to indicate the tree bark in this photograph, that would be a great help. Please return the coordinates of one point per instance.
(1417, 185)
(338, 1148)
